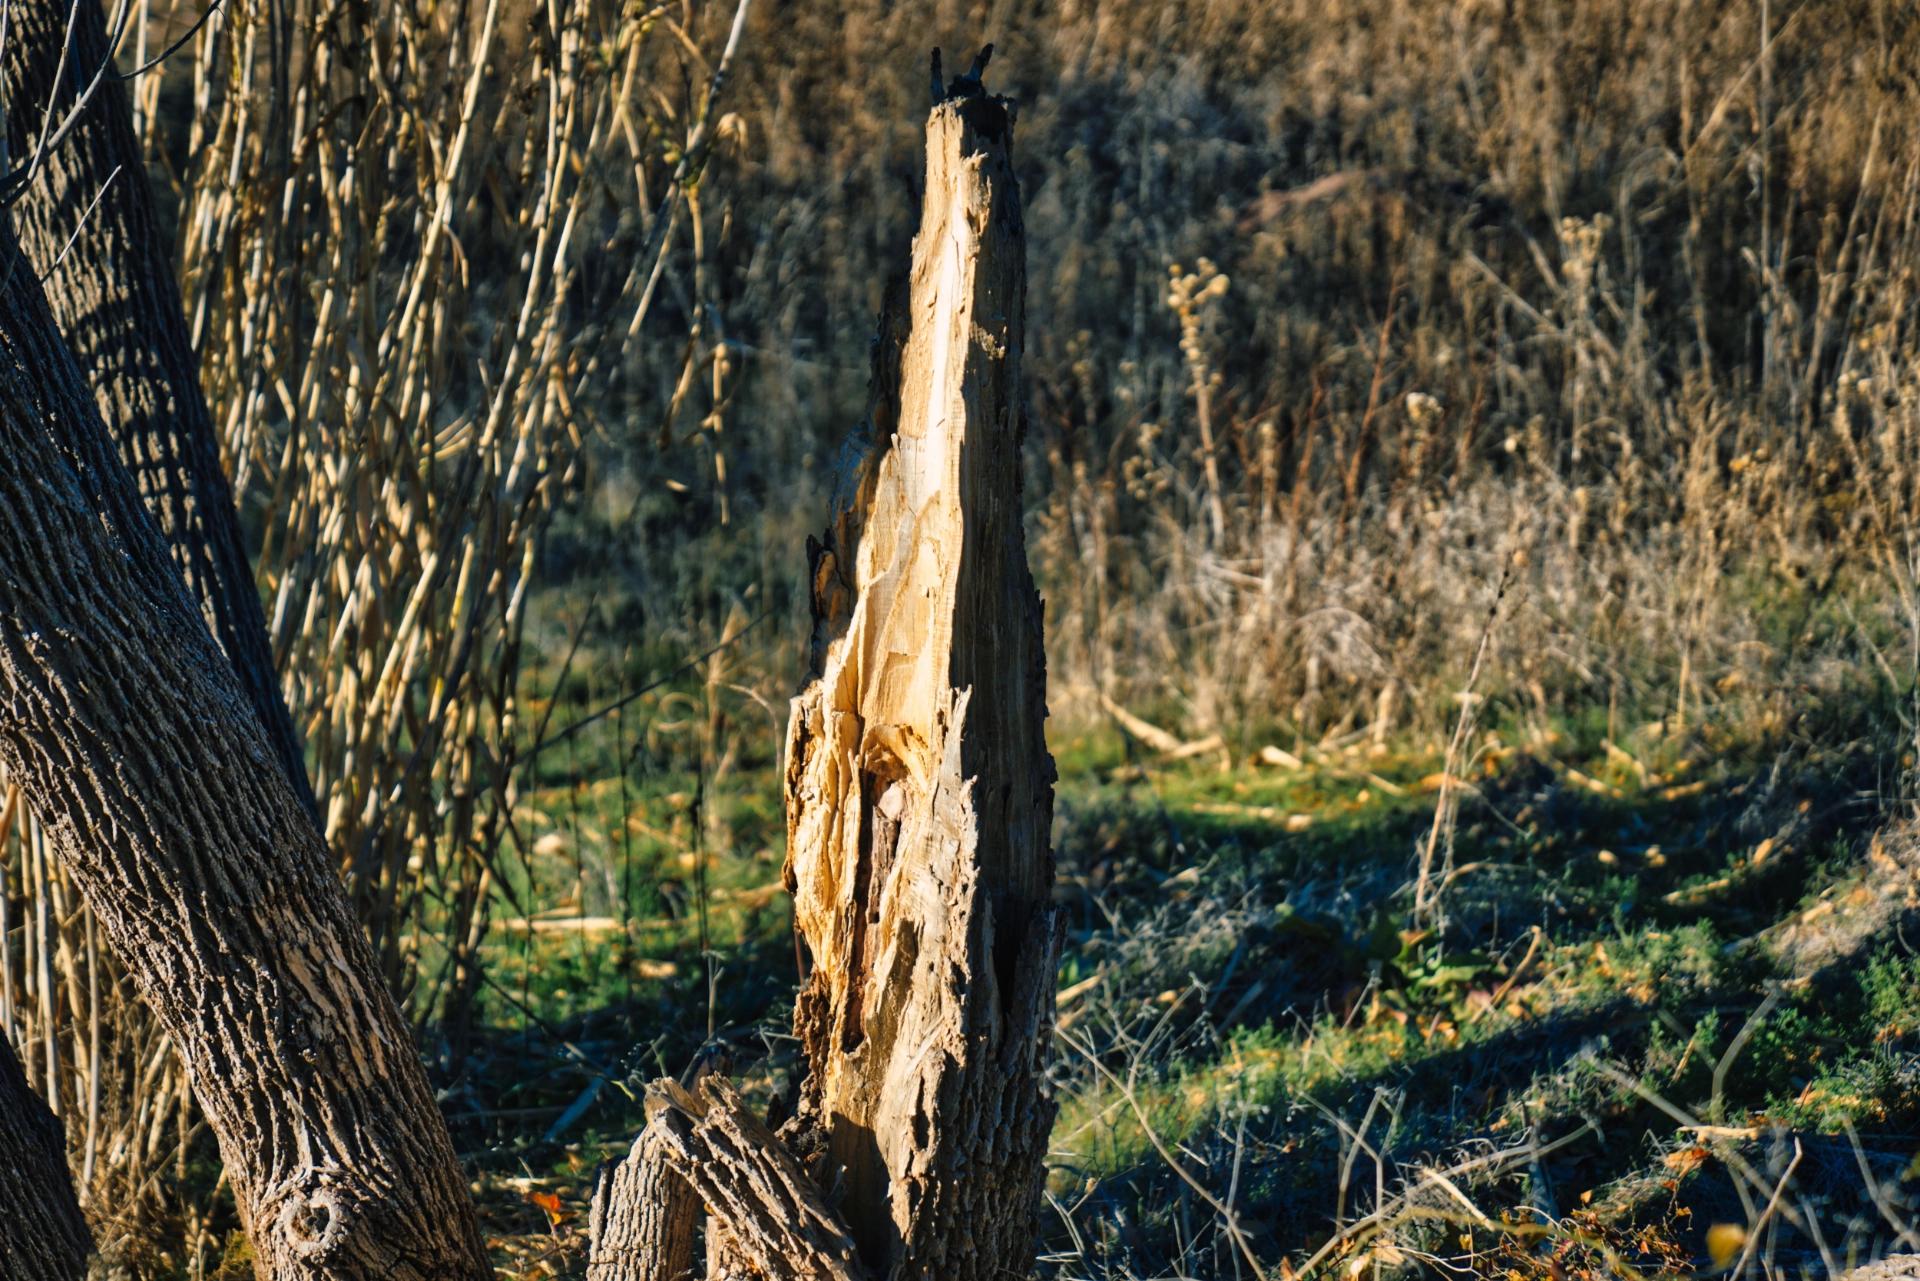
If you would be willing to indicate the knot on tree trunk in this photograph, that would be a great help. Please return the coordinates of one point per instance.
(318, 1214)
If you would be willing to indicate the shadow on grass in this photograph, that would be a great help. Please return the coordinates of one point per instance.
(1596, 924)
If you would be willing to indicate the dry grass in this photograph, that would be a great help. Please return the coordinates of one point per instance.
(1623, 287)
(1342, 315)
(389, 221)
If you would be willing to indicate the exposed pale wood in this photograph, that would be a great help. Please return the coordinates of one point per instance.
(127, 730)
(1150, 734)
(43, 1236)
(919, 788)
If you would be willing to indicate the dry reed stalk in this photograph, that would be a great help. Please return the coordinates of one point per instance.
(387, 224)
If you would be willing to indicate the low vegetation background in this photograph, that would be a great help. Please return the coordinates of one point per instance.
(1472, 464)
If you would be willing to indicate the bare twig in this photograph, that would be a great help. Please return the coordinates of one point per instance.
(1228, 1217)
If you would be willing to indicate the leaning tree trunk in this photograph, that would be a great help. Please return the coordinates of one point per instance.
(43, 1236)
(919, 788)
(88, 228)
(128, 731)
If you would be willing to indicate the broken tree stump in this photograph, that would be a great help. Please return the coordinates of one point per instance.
(919, 799)
(642, 1221)
(919, 790)
(700, 1147)
(776, 1219)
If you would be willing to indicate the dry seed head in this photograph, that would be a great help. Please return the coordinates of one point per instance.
(1188, 291)
(732, 130)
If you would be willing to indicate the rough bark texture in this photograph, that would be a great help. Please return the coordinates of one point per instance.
(774, 1216)
(43, 1236)
(128, 731)
(725, 1259)
(769, 1221)
(919, 788)
(643, 1219)
(115, 299)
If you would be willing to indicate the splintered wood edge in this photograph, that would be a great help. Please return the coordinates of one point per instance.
(776, 1217)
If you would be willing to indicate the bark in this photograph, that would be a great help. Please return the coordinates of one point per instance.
(89, 230)
(919, 788)
(43, 1236)
(774, 1217)
(128, 731)
(644, 1218)
(726, 1261)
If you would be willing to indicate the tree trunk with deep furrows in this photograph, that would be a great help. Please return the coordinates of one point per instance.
(43, 1236)
(919, 788)
(88, 228)
(128, 731)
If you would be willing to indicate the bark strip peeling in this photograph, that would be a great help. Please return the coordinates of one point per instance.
(704, 1146)
(774, 1217)
(919, 789)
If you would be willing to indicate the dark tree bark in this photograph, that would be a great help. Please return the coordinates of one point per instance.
(644, 1218)
(129, 733)
(43, 1236)
(89, 230)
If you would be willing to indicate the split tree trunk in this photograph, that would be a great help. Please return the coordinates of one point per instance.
(129, 733)
(43, 1236)
(919, 802)
(919, 788)
(88, 228)
(703, 1146)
